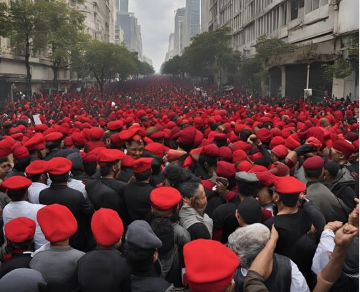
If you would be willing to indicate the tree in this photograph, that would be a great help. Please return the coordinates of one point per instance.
(5, 24)
(61, 32)
(175, 66)
(21, 22)
(106, 61)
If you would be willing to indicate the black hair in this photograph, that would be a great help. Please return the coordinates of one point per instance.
(188, 189)
(187, 147)
(22, 163)
(164, 230)
(156, 165)
(139, 259)
(4, 159)
(214, 126)
(212, 161)
(220, 143)
(53, 144)
(289, 200)
(16, 195)
(59, 178)
(90, 168)
(313, 173)
(142, 176)
(177, 175)
(35, 177)
(247, 188)
(244, 134)
(25, 245)
(105, 170)
(262, 161)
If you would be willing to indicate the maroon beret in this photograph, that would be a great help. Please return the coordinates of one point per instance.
(344, 147)
(211, 150)
(314, 162)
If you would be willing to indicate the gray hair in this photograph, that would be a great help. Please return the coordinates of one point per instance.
(248, 241)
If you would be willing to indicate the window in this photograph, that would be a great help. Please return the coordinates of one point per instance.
(284, 13)
(294, 9)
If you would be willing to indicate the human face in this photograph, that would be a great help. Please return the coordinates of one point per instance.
(5, 167)
(200, 200)
(335, 155)
(135, 149)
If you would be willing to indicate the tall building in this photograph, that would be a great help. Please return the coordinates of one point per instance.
(132, 31)
(179, 31)
(192, 21)
(205, 15)
(319, 28)
(122, 5)
(171, 52)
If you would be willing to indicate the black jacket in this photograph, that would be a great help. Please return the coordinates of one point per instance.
(103, 271)
(75, 201)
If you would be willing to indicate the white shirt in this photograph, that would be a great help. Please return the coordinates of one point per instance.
(34, 191)
(25, 209)
(298, 282)
(77, 185)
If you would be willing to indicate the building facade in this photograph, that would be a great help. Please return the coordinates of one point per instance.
(179, 26)
(320, 29)
(99, 24)
(191, 21)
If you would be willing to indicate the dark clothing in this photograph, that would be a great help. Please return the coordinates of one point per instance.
(107, 193)
(16, 261)
(126, 174)
(214, 200)
(149, 281)
(224, 218)
(75, 201)
(157, 179)
(15, 172)
(137, 200)
(279, 279)
(82, 177)
(103, 271)
(293, 240)
(198, 230)
(60, 153)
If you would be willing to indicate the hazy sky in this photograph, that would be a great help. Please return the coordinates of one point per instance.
(156, 18)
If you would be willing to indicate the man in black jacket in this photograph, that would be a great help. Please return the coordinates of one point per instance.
(106, 191)
(60, 193)
(136, 194)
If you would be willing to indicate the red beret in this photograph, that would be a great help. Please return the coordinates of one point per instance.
(241, 145)
(157, 149)
(220, 136)
(78, 138)
(68, 142)
(128, 161)
(277, 140)
(142, 164)
(5, 148)
(211, 150)
(225, 169)
(312, 141)
(244, 166)
(59, 166)
(239, 155)
(36, 142)
(356, 144)
(133, 133)
(165, 198)
(56, 222)
(37, 167)
(257, 168)
(107, 227)
(173, 155)
(280, 151)
(54, 136)
(344, 147)
(109, 155)
(289, 185)
(20, 229)
(115, 125)
(314, 162)
(210, 265)
(264, 135)
(186, 136)
(21, 152)
(16, 182)
(96, 133)
(89, 157)
(225, 152)
(157, 135)
(266, 178)
(41, 128)
(291, 143)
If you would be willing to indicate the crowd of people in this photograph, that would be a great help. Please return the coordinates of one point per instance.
(153, 186)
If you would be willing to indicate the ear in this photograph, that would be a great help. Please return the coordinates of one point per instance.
(276, 197)
(127, 144)
(156, 256)
(206, 165)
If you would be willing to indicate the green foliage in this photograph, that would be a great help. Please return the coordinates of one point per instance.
(344, 66)
(106, 61)
(5, 24)
(208, 53)
(266, 48)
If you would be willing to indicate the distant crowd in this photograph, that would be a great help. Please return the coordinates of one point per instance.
(155, 185)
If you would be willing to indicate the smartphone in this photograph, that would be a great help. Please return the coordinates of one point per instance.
(224, 181)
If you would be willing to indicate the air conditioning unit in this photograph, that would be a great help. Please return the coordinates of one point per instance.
(307, 93)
